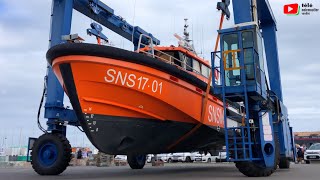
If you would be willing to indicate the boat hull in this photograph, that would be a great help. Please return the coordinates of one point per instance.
(125, 135)
(129, 107)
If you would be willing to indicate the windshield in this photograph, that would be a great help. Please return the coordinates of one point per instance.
(231, 59)
(315, 147)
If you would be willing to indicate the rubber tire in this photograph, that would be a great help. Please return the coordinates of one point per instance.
(169, 160)
(188, 159)
(135, 163)
(277, 151)
(63, 159)
(251, 169)
(153, 159)
(209, 160)
(308, 162)
(284, 163)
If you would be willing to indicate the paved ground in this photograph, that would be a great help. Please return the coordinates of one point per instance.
(170, 171)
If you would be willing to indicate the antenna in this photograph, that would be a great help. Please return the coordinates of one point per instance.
(185, 32)
(186, 41)
(202, 42)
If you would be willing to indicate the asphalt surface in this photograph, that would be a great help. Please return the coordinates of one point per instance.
(169, 171)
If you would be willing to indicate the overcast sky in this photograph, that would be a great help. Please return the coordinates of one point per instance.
(24, 34)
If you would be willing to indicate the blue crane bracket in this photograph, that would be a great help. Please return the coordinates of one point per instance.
(104, 15)
(97, 31)
(223, 6)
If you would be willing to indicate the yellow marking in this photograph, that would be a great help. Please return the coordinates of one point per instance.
(234, 60)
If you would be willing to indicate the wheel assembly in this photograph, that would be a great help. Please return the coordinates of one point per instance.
(137, 161)
(254, 169)
(307, 162)
(188, 159)
(284, 163)
(51, 154)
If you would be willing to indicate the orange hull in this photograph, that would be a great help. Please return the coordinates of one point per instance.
(113, 87)
(123, 104)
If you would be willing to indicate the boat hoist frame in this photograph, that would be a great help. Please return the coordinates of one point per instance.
(58, 116)
(265, 133)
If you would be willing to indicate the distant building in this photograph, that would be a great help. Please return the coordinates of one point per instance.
(307, 138)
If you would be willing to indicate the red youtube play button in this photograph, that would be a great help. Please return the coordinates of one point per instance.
(291, 9)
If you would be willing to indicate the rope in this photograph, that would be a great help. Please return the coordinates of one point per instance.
(205, 102)
(210, 76)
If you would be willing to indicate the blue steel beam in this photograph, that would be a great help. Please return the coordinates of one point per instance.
(271, 50)
(265, 12)
(268, 25)
(105, 16)
(242, 11)
(61, 17)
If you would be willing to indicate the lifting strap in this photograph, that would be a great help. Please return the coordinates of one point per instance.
(205, 102)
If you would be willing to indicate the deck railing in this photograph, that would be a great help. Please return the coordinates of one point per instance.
(155, 53)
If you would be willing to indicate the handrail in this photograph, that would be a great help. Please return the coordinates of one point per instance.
(171, 58)
(257, 69)
(150, 43)
(216, 68)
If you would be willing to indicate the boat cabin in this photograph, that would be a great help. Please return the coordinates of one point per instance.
(180, 57)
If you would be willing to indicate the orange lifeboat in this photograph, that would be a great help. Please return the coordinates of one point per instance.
(129, 102)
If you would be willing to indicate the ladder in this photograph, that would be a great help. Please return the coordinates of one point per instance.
(239, 140)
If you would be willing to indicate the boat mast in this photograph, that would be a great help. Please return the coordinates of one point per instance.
(186, 42)
(185, 31)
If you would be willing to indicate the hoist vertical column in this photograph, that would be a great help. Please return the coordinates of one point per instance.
(61, 17)
(271, 50)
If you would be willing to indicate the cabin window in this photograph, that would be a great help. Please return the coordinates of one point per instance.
(196, 66)
(260, 50)
(247, 39)
(188, 64)
(178, 59)
(248, 52)
(164, 56)
(168, 56)
(231, 59)
(186, 61)
(205, 71)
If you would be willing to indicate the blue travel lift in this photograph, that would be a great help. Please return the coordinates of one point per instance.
(262, 141)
